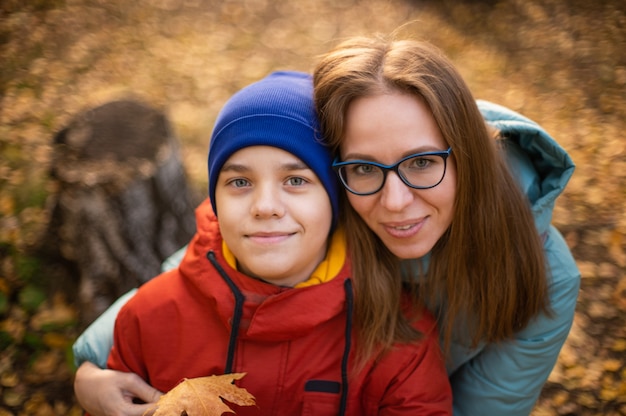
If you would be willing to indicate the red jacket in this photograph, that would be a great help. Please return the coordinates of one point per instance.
(206, 318)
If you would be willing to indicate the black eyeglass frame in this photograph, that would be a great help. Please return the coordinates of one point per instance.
(394, 167)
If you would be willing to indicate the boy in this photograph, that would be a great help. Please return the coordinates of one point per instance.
(265, 286)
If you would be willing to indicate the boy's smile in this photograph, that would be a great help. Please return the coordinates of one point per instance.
(269, 237)
(274, 214)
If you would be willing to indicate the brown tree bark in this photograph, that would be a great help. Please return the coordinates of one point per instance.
(122, 204)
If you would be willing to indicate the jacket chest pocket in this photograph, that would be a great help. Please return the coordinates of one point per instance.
(321, 398)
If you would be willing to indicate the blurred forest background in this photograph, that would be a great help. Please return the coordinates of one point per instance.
(561, 63)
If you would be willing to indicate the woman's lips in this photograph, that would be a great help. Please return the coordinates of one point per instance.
(404, 229)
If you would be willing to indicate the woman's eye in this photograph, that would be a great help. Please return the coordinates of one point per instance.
(363, 169)
(420, 162)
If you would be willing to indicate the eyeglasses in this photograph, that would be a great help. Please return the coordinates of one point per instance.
(418, 171)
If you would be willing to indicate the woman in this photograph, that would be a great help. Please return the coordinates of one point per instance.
(429, 183)
(455, 210)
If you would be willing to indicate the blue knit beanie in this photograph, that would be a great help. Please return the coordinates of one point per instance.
(276, 111)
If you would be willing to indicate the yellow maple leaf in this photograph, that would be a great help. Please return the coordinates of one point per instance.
(202, 396)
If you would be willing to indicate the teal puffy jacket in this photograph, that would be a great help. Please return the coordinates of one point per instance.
(507, 378)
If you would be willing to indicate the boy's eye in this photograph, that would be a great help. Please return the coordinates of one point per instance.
(239, 183)
(296, 181)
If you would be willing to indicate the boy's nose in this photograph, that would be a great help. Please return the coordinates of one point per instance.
(267, 203)
(395, 194)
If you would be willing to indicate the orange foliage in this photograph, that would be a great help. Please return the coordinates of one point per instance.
(202, 396)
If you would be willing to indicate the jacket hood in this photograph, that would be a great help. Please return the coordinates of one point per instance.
(540, 165)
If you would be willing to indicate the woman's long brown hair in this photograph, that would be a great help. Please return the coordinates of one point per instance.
(488, 269)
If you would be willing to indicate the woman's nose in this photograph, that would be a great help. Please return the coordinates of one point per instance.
(395, 194)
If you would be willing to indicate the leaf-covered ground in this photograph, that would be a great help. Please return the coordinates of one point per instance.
(560, 62)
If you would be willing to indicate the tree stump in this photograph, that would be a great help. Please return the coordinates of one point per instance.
(122, 205)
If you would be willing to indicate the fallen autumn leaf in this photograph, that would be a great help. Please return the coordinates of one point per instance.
(202, 396)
